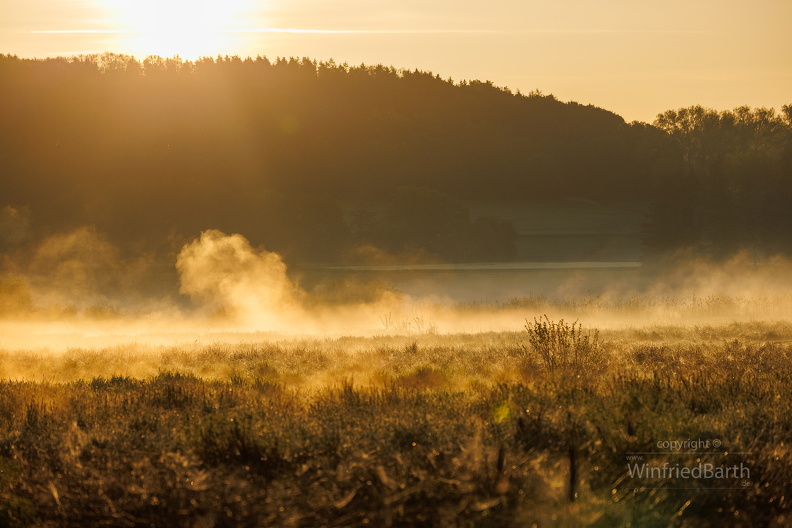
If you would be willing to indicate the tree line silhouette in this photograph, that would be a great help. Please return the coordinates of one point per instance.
(726, 183)
(318, 159)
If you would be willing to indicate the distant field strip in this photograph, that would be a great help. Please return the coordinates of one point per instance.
(493, 266)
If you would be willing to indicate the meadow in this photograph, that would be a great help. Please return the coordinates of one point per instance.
(548, 425)
(295, 292)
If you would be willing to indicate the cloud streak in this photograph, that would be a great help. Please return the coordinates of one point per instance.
(437, 31)
(83, 32)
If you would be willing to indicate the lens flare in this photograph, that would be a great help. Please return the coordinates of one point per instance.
(189, 29)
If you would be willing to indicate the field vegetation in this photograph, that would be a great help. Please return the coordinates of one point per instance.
(162, 220)
(523, 428)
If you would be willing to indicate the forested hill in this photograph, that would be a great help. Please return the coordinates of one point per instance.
(147, 149)
(112, 127)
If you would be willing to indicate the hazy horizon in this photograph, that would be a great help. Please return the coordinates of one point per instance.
(636, 61)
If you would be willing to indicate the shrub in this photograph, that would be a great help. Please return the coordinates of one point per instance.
(563, 346)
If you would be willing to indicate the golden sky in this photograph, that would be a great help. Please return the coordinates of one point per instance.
(634, 57)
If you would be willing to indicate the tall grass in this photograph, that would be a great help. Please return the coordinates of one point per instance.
(430, 430)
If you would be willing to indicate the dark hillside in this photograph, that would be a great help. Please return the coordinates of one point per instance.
(141, 149)
(152, 152)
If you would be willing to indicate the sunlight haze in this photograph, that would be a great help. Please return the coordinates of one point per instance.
(408, 263)
(636, 59)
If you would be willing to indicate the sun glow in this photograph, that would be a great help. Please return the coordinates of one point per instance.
(188, 28)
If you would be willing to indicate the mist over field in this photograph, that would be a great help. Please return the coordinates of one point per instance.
(75, 290)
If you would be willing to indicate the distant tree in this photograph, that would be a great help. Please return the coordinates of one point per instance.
(673, 222)
(786, 112)
(423, 219)
(316, 227)
(419, 219)
(492, 239)
(734, 167)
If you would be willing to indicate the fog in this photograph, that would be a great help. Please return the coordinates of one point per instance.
(75, 289)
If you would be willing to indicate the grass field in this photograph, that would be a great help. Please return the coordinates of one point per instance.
(555, 424)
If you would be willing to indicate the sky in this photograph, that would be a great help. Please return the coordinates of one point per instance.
(637, 58)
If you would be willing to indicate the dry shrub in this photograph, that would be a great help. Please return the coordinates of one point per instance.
(563, 346)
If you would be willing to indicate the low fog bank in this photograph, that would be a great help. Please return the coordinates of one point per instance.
(76, 290)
